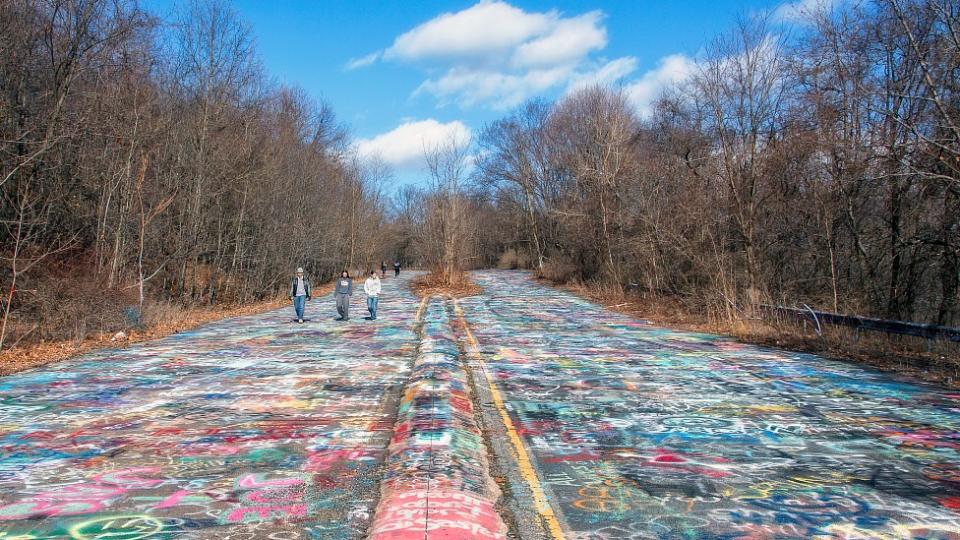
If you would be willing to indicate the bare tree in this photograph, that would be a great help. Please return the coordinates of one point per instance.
(742, 84)
(515, 153)
(444, 229)
(31, 245)
(146, 216)
(596, 130)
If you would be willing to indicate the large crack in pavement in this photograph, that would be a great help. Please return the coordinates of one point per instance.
(437, 484)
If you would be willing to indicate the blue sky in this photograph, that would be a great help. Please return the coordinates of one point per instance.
(402, 74)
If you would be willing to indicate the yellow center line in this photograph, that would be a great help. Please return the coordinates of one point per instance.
(523, 459)
(423, 305)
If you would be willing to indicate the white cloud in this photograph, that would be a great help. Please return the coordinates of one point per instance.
(495, 55)
(801, 10)
(485, 28)
(608, 74)
(764, 59)
(671, 70)
(403, 146)
(568, 41)
(496, 89)
(356, 63)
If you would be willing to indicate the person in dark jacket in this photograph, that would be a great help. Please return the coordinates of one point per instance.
(343, 292)
(396, 269)
(383, 269)
(300, 293)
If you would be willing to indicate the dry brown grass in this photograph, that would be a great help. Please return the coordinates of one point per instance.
(935, 361)
(432, 284)
(161, 319)
(899, 354)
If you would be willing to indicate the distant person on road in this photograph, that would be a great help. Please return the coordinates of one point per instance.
(383, 269)
(372, 287)
(396, 269)
(300, 293)
(343, 292)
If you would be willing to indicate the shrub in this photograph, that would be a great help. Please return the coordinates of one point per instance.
(508, 260)
(76, 308)
(559, 270)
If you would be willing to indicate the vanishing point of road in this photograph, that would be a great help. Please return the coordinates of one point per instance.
(521, 412)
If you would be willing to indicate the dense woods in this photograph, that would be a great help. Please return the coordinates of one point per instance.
(146, 161)
(821, 168)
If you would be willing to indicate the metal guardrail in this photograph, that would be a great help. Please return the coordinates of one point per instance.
(926, 331)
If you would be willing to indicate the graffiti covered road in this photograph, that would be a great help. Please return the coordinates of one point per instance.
(602, 427)
(245, 429)
(636, 432)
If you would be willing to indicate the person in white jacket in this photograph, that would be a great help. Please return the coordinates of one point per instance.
(372, 287)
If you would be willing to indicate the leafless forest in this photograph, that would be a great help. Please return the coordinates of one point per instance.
(146, 161)
(819, 167)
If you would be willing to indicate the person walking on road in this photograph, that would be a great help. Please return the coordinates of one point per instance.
(300, 293)
(396, 269)
(383, 269)
(343, 292)
(372, 287)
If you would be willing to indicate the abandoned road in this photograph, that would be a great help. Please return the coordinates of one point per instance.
(521, 412)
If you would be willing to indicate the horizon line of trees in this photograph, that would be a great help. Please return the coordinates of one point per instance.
(146, 163)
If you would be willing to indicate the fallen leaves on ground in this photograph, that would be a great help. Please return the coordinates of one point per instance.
(428, 285)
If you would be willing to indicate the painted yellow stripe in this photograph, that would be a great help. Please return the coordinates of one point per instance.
(423, 306)
(523, 459)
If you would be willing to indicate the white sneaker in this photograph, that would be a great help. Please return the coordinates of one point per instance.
(300, 321)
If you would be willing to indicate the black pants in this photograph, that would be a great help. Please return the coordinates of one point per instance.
(396, 272)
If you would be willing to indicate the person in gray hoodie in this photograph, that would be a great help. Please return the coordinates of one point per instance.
(343, 292)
